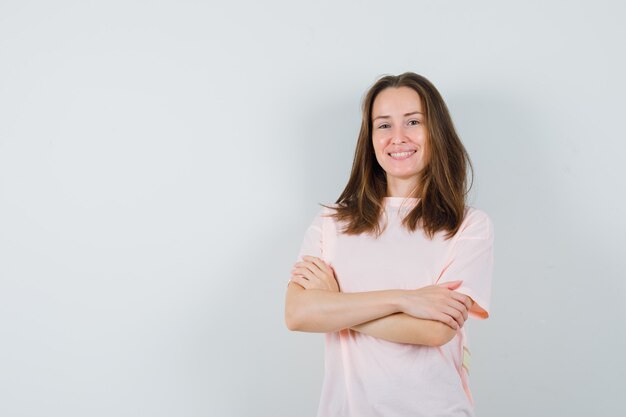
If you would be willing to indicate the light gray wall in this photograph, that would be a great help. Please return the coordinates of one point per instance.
(160, 161)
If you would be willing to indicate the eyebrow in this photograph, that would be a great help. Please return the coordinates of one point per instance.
(407, 114)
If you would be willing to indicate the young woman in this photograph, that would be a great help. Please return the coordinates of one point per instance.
(395, 267)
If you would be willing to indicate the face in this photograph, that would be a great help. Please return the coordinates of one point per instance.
(399, 137)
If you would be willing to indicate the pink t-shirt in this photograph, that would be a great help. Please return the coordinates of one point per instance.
(367, 376)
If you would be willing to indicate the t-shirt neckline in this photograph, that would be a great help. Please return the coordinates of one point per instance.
(399, 201)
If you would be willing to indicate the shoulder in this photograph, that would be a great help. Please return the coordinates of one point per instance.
(323, 214)
(327, 210)
(476, 223)
(330, 206)
(473, 214)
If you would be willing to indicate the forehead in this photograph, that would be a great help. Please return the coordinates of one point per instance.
(396, 99)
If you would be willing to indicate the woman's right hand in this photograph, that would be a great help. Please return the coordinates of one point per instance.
(438, 302)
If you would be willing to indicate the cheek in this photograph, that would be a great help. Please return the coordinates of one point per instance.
(422, 141)
(424, 158)
(378, 154)
(421, 137)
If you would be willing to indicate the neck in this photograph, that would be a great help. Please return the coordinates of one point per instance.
(402, 189)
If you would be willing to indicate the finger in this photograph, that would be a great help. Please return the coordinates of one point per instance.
(465, 299)
(311, 266)
(322, 271)
(294, 270)
(458, 316)
(301, 281)
(446, 319)
(306, 273)
(326, 267)
(451, 284)
(455, 314)
(457, 305)
(462, 298)
(317, 262)
(462, 309)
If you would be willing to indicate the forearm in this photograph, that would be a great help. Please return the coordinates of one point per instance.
(402, 328)
(325, 311)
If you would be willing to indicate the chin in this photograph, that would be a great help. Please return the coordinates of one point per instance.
(403, 175)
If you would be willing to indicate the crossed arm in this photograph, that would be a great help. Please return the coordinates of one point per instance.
(429, 316)
(402, 328)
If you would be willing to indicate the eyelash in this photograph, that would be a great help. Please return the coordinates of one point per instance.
(417, 122)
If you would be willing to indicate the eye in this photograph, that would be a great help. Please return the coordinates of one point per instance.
(414, 122)
(383, 126)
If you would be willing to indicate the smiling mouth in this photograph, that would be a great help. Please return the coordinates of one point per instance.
(401, 155)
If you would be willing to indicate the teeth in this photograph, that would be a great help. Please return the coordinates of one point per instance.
(400, 154)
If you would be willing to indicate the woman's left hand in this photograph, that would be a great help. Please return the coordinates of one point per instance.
(314, 274)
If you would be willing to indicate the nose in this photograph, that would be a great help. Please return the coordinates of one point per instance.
(398, 135)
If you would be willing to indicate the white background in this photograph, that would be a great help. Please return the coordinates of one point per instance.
(161, 160)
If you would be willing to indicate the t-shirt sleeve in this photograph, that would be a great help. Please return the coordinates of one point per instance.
(312, 242)
(471, 260)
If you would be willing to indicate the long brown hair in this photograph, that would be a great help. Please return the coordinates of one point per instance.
(443, 186)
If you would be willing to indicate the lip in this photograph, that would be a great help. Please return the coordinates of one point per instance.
(402, 157)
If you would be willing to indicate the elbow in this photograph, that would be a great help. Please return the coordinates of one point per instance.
(291, 321)
(302, 314)
(295, 303)
(299, 320)
(295, 317)
(442, 334)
